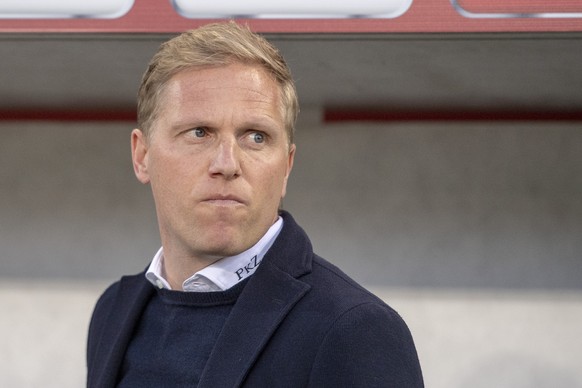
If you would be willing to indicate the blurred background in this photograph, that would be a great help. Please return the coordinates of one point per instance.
(442, 171)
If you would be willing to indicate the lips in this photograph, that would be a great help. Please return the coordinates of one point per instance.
(225, 200)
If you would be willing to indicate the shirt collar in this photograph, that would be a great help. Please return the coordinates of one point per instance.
(224, 273)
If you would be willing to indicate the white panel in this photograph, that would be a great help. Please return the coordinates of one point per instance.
(23, 9)
(292, 8)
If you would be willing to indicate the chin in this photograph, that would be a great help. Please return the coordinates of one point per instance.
(219, 251)
(222, 243)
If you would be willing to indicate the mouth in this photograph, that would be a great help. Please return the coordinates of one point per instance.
(224, 200)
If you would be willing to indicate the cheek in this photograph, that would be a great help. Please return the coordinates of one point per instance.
(167, 178)
(168, 166)
(274, 182)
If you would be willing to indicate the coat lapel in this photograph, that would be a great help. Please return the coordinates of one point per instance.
(134, 294)
(264, 303)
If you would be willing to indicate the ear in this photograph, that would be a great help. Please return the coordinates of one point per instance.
(290, 160)
(139, 155)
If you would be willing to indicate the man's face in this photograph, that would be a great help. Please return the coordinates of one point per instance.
(217, 160)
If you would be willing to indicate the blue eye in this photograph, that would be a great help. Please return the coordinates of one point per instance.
(199, 132)
(258, 137)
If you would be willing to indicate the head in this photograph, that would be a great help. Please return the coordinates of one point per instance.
(214, 45)
(217, 108)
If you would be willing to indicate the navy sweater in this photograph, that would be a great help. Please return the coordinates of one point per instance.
(163, 351)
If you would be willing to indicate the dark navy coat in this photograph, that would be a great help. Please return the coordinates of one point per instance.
(299, 322)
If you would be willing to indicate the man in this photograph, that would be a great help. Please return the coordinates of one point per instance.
(235, 296)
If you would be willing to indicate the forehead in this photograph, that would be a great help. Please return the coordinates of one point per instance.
(231, 82)
(248, 92)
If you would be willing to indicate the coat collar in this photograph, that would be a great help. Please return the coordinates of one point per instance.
(292, 251)
(266, 300)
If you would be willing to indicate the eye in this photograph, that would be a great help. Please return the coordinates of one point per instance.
(258, 137)
(199, 132)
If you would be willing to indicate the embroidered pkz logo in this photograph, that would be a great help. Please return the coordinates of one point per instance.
(248, 268)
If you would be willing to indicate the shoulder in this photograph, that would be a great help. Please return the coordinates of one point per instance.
(108, 301)
(104, 304)
(362, 341)
(330, 282)
(126, 284)
(346, 304)
(367, 343)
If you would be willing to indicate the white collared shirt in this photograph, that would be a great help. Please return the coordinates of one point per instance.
(224, 273)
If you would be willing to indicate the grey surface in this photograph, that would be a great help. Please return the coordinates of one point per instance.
(406, 71)
(471, 206)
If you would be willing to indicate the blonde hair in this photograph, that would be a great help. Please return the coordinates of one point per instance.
(217, 44)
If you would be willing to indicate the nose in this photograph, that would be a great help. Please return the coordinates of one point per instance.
(225, 160)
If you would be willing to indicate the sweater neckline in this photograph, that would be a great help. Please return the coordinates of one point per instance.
(201, 299)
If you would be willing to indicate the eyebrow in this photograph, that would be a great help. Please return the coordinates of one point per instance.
(259, 122)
